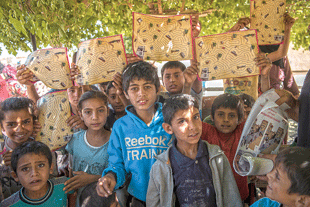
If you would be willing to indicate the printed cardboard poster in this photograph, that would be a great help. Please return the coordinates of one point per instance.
(268, 20)
(263, 133)
(100, 59)
(54, 110)
(227, 55)
(162, 38)
(247, 85)
(51, 66)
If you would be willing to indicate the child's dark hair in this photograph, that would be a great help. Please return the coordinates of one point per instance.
(110, 85)
(92, 94)
(247, 99)
(175, 103)
(172, 64)
(31, 147)
(16, 104)
(90, 198)
(227, 100)
(140, 70)
(295, 161)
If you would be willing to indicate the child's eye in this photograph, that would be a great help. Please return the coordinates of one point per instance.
(113, 97)
(11, 124)
(196, 117)
(101, 110)
(167, 77)
(25, 169)
(147, 87)
(26, 121)
(181, 121)
(134, 89)
(232, 116)
(87, 112)
(41, 165)
(176, 76)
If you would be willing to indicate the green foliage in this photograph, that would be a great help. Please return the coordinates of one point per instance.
(68, 22)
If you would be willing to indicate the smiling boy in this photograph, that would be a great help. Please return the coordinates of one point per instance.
(289, 181)
(137, 137)
(32, 165)
(191, 172)
(227, 114)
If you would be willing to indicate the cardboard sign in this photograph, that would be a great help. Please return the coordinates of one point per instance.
(162, 38)
(51, 66)
(227, 55)
(267, 18)
(100, 59)
(54, 110)
(247, 85)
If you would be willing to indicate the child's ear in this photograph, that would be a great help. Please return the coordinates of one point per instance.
(126, 95)
(52, 168)
(167, 128)
(212, 119)
(14, 175)
(303, 201)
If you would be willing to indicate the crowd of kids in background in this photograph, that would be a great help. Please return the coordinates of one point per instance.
(135, 144)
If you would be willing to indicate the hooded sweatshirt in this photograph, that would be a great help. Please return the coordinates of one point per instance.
(161, 186)
(133, 145)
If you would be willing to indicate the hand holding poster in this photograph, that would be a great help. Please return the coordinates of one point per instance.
(54, 110)
(51, 66)
(263, 133)
(227, 55)
(267, 17)
(162, 38)
(100, 59)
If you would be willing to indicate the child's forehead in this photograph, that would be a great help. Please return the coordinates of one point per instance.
(20, 113)
(182, 113)
(30, 158)
(172, 70)
(139, 81)
(226, 110)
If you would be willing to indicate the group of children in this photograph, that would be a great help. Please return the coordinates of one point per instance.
(134, 142)
(162, 155)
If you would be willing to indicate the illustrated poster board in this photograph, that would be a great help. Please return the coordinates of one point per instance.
(54, 110)
(162, 38)
(227, 55)
(263, 133)
(51, 66)
(267, 18)
(100, 59)
(247, 85)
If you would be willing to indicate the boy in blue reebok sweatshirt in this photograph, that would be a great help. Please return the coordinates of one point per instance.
(137, 137)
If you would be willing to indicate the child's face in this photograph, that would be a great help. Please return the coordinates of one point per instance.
(186, 126)
(142, 94)
(32, 172)
(115, 101)
(74, 94)
(94, 113)
(18, 125)
(278, 186)
(225, 119)
(173, 80)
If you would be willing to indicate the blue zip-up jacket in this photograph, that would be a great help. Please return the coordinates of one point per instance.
(132, 148)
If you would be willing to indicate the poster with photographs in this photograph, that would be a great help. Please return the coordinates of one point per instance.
(227, 55)
(100, 59)
(162, 38)
(247, 85)
(263, 133)
(51, 66)
(54, 110)
(268, 20)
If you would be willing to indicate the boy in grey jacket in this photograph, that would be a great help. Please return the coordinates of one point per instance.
(191, 172)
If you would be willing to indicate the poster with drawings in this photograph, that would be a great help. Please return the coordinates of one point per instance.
(51, 66)
(54, 110)
(100, 59)
(267, 18)
(263, 133)
(162, 38)
(227, 55)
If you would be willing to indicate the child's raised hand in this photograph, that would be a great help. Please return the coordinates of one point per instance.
(80, 180)
(289, 21)
(131, 58)
(242, 22)
(7, 157)
(36, 128)
(24, 75)
(264, 62)
(118, 79)
(75, 121)
(106, 185)
(190, 73)
(74, 71)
